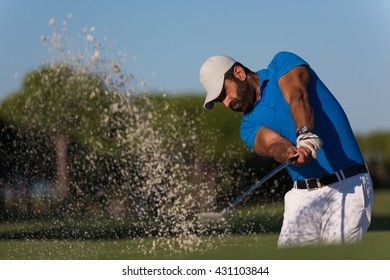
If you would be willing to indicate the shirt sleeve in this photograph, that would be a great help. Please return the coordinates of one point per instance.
(283, 62)
(248, 130)
(252, 122)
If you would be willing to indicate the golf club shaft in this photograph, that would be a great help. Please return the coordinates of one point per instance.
(259, 183)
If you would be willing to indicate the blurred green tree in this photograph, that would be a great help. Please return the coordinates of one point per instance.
(61, 102)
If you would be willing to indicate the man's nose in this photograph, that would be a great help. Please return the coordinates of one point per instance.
(226, 101)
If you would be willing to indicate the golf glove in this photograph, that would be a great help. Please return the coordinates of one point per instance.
(311, 141)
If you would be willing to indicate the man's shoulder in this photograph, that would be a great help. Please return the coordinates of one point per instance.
(285, 54)
(283, 62)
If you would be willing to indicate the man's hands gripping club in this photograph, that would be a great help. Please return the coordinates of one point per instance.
(307, 139)
(272, 144)
(306, 148)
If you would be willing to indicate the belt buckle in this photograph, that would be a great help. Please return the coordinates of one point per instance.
(317, 181)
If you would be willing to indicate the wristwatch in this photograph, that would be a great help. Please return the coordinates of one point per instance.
(304, 130)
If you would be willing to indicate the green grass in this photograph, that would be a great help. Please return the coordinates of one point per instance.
(261, 246)
(375, 246)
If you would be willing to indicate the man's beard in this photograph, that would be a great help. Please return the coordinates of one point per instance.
(246, 98)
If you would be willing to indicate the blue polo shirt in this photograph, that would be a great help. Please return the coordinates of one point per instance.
(340, 149)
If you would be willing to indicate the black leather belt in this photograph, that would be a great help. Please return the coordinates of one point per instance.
(315, 183)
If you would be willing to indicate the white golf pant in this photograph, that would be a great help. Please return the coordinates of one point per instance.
(338, 213)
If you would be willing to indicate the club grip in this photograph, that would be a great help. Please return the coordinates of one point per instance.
(293, 158)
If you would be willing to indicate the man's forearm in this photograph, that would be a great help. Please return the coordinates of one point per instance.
(281, 150)
(302, 113)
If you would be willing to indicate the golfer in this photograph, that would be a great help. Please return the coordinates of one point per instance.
(288, 110)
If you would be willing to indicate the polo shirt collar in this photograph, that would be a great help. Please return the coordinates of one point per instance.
(264, 78)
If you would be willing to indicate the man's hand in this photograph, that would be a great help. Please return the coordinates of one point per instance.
(310, 141)
(304, 155)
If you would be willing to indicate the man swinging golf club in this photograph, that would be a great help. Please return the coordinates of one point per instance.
(287, 110)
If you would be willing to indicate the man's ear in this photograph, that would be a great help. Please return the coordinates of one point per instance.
(239, 73)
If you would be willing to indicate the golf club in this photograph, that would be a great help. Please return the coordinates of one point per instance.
(219, 215)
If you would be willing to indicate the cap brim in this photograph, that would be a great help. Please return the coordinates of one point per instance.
(213, 94)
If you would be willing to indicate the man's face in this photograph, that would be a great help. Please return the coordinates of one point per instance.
(238, 95)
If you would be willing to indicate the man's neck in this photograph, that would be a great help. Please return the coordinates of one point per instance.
(255, 82)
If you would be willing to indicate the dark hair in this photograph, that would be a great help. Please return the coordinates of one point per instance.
(229, 75)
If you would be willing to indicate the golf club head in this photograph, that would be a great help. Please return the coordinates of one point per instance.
(210, 216)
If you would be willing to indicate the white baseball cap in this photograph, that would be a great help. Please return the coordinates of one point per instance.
(212, 73)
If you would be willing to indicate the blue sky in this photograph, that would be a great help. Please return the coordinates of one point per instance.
(347, 42)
